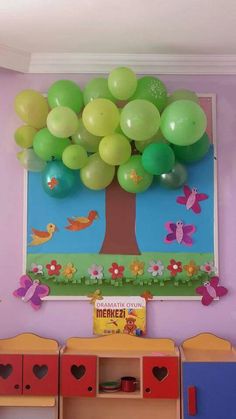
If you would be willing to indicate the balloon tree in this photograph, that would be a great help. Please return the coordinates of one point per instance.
(117, 126)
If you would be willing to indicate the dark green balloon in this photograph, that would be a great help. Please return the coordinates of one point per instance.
(65, 179)
(158, 158)
(153, 90)
(176, 178)
(192, 153)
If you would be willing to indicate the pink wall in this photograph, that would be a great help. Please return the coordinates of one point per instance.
(165, 319)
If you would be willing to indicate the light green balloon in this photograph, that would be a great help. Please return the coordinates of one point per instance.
(122, 83)
(97, 174)
(183, 122)
(65, 93)
(62, 122)
(97, 88)
(84, 138)
(182, 94)
(115, 149)
(30, 161)
(139, 120)
(101, 117)
(74, 156)
(47, 147)
(132, 176)
(24, 136)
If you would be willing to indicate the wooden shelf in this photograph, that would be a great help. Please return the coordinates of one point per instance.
(27, 401)
(120, 395)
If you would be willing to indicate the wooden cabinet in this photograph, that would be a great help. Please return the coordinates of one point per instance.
(29, 373)
(208, 378)
(88, 365)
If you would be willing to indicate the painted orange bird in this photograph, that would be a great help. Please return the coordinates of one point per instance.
(40, 237)
(80, 223)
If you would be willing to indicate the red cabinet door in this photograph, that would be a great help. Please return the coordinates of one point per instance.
(40, 375)
(161, 377)
(10, 374)
(78, 375)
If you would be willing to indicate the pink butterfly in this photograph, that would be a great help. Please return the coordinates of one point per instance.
(31, 291)
(179, 232)
(191, 199)
(210, 290)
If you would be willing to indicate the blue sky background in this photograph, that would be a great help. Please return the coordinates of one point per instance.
(153, 209)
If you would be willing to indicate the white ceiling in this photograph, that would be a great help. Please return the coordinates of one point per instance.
(119, 26)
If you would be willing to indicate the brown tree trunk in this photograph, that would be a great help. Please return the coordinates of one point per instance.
(120, 237)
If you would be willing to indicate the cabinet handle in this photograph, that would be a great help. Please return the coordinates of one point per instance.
(192, 401)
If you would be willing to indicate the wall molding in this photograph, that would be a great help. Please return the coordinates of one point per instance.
(25, 62)
(14, 59)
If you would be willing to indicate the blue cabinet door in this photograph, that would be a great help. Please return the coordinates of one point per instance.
(215, 385)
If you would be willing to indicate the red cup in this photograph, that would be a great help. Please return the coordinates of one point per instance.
(128, 384)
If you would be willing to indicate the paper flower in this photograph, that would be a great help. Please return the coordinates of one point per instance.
(156, 268)
(174, 267)
(116, 271)
(36, 269)
(208, 268)
(69, 270)
(191, 268)
(53, 268)
(95, 271)
(137, 267)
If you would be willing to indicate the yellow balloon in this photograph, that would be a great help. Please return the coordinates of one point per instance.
(97, 174)
(101, 117)
(115, 149)
(24, 136)
(32, 108)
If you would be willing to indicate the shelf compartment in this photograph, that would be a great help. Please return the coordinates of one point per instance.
(112, 369)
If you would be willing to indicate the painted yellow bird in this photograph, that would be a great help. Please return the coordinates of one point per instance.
(41, 237)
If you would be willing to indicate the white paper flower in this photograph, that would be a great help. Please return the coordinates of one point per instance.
(208, 267)
(156, 268)
(95, 271)
(36, 269)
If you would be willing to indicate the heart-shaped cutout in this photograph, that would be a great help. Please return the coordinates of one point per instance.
(160, 373)
(5, 370)
(40, 371)
(78, 371)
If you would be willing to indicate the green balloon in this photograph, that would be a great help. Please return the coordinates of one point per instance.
(139, 120)
(30, 161)
(176, 178)
(84, 138)
(194, 152)
(46, 146)
(24, 136)
(74, 156)
(97, 174)
(182, 94)
(95, 89)
(153, 90)
(62, 122)
(65, 93)
(122, 83)
(156, 139)
(183, 122)
(115, 149)
(158, 159)
(132, 176)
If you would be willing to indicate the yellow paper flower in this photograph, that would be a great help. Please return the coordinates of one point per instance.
(191, 268)
(69, 270)
(137, 267)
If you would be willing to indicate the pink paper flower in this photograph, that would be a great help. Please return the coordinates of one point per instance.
(95, 271)
(208, 268)
(156, 268)
(36, 269)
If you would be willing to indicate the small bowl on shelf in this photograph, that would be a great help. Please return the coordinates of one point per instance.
(110, 386)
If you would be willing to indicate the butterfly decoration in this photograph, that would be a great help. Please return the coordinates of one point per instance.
(211, 290)
(53, 183)
(147, 295)
(135, 177)
(31, 291)
(179, 232)
(94, 296)
(191, 199)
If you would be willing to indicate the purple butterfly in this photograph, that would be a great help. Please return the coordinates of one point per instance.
(191, 199)
(210, 290)
(179, 232)
(31, 291)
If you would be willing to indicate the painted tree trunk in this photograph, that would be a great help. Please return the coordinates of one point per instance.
(120, 237)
